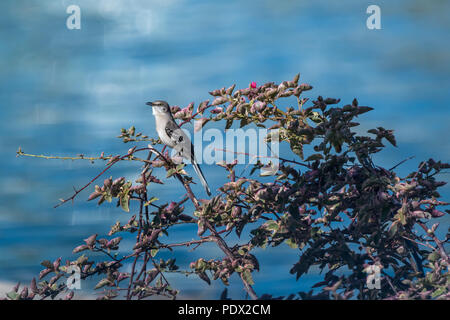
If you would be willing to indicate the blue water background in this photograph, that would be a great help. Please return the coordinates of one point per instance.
(66, 92)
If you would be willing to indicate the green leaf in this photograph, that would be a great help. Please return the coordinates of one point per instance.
(153, 252)
(200, 264)
(13, 295)
(124, 202)
(152, 199)
(180, 167)
(393, 229)
(315, 116)
(247, 276)
(401, 214)
(434, 256)
(102, 283)
(171, 172)
(81, 260)
(272, 225)
(439, 292)
(291, 244)
(108, 197)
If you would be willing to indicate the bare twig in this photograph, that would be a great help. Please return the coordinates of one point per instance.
(113, 162)
(267, 157)
(401, 162)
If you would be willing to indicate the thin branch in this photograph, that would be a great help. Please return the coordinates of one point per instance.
(401, 162)
(267, 157)
(421, 243)
(159, 269)
(436, 240)
(138, 240)
(186, 243)
(113, 160)
(20, 153)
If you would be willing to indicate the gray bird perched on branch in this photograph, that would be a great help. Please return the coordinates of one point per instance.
(171, 135)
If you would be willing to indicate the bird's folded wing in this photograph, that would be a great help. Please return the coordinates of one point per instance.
(174, 132)
(180, 140)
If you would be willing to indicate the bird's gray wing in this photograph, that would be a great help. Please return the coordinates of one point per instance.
(174, 132)
(179, 140)
(185, 149)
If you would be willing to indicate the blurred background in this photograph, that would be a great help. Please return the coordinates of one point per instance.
(66, 92)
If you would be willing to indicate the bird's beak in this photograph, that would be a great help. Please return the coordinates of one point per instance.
(149, 104)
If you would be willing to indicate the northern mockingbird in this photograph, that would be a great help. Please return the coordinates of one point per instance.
(171, 135)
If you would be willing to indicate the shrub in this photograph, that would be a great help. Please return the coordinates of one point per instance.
(336, 209)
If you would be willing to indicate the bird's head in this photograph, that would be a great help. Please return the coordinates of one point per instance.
(159, 107)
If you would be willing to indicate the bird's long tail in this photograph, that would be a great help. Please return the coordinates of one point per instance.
(199, 172)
